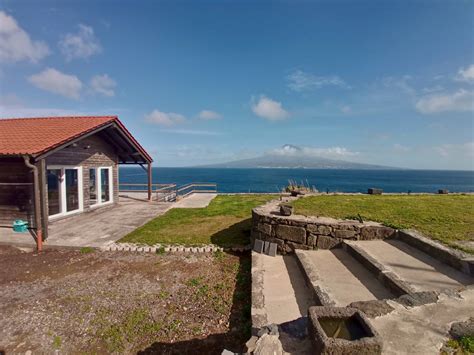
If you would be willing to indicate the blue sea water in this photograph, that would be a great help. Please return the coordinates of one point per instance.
(273, 180)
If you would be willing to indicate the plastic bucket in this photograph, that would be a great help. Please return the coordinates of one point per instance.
(20, 226)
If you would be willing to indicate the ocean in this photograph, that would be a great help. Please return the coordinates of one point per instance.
(332, 180)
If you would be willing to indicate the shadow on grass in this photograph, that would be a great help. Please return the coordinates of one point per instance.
(239, 322)
(237, 234)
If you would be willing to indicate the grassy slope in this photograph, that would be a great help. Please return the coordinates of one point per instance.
(447, 218)
(225, 222)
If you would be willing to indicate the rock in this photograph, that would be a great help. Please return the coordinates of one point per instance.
(319, 229)
(461, 329)
(227, 352)
(271, 329)
(312, 240)
(369, 233)
(418, 298)
(325, 242)
(268, 345)
(344, 234)
(374, 308)
(264, 228)
(294, 234)
(251, 344)
(286, 210)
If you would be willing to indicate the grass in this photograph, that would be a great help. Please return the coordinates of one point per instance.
(446, 218)
(225, 222)
(463, 345)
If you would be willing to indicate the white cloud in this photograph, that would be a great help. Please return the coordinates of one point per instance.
(164, 118)
(402, 83)
(461, 100)
(303, 81)
(456, 150)
(399, 148)
(54, 81)
(269, 109)
(330, 152)
(346, 109)
(82, 44)
(16, 44)
(103, 84)
(466, 74)
(209, 115)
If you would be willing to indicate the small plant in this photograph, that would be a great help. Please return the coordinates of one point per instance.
(194, 282)
(57, 342)
(160, 251)
(87, 250)
(219, 255)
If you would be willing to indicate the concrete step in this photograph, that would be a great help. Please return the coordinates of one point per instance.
(339, 279)
(416, 268)
(286, 296)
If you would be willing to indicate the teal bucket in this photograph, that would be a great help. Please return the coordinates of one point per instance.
(20, 226)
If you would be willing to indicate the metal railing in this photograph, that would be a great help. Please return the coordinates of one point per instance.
(196, 187)
(169, 192)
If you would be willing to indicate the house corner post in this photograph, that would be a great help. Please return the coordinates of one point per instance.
(43, 187)
(149, 182)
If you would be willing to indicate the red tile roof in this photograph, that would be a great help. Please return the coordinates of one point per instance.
(35, 136)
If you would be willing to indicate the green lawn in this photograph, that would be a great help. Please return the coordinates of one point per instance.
(225, 222)
(447, 218)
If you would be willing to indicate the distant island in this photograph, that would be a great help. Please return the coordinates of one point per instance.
(294, 157)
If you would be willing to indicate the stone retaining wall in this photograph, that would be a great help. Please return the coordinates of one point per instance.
(301, 232)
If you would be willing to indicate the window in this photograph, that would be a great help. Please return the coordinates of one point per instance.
(100, 185)
(93, 187)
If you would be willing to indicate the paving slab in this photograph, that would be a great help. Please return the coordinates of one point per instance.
(196, 200)
(423, 329)
(344, 279)
(286, 296)
(421, 271)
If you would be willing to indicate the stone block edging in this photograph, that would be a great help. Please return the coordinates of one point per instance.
(257, 310)
(139, 248)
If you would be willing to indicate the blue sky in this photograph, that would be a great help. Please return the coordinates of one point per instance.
(382, 82)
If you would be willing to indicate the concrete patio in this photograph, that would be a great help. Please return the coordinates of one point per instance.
(96, 228)
(104, 226)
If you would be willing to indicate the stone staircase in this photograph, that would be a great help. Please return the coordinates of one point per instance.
(361, 274)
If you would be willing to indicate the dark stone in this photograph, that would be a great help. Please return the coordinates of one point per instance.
(297, 246)
(286, 210)
(325, 242)
(374, 232)
(443, 192)
(462, 329)
(258, 246)
(264, 228)
(418, 298)
(374, 308)
(374, 191)
(272, 251)
(312, 240)
(344, 234)
(319, 229)
(294, 234)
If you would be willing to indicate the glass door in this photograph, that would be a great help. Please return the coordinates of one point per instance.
(64, 190)
(54, 191)
(72, 189)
